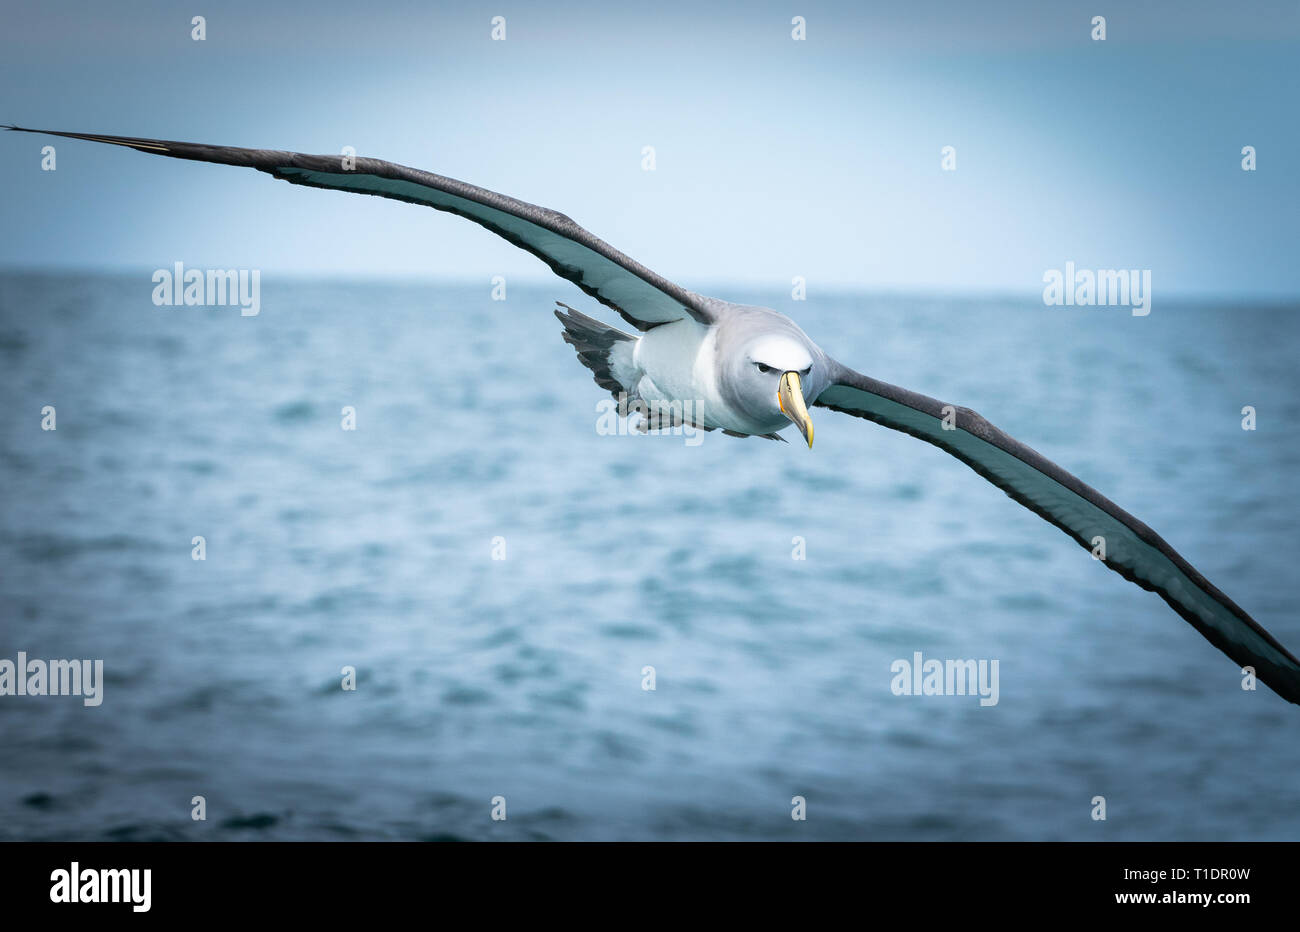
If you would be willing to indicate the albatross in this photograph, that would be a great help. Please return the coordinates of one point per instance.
(750, 371)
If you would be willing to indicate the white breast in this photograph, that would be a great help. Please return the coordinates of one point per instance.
(677, 365)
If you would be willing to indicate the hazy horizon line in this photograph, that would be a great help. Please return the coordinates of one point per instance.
(716, 288)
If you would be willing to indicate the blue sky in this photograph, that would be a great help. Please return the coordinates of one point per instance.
(774, 158)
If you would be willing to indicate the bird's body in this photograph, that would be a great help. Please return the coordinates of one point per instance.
(683, 364)
(676, 362)
(751, 371)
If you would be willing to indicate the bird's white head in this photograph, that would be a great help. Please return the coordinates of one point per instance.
(775, 376)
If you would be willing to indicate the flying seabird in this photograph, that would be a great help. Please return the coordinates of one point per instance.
(750, 371)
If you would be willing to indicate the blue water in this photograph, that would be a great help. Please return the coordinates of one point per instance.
(522, 677)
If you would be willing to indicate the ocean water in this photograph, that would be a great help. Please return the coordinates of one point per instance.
(523, 677)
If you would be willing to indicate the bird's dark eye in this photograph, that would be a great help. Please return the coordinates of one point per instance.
(806, 371)
(763, 367)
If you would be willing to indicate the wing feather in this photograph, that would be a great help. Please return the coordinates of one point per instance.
(1133, 550)
(641, 297)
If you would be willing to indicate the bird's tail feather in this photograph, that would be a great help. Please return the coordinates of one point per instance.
(596, 344)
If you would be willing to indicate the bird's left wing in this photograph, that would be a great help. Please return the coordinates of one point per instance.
(641, 297)
(1132, 549)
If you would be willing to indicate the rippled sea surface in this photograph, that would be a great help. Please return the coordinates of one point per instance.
(522, 678)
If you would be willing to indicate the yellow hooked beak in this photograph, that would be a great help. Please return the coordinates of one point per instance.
(790, 397)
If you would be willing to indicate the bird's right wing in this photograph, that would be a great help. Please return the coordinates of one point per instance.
(1132, 549)
(641, 297)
